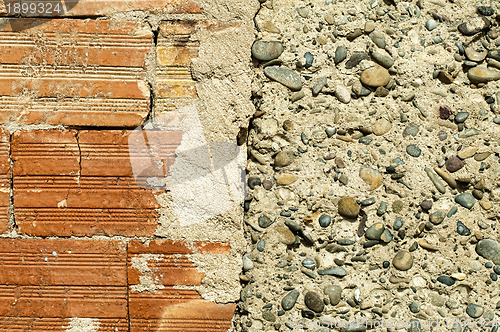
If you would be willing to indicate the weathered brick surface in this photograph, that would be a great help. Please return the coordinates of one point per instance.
(74, 72)
(5, 173)
(165, 307)
(45, 283)
(175, 50)
(81, 183)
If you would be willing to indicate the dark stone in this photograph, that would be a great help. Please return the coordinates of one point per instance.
(355, 59)
(485, 10)
(314, 302)
(265, 221)
(453, 164)
(448, 281)
(466, 31)
(462, 229)
(426, 205)
(253, 182)
(444, 112)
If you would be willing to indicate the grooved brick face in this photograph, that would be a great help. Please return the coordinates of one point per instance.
(74, 72)
(80, 183)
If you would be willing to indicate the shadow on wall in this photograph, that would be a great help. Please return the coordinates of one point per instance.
(40, 10)
(205, 179)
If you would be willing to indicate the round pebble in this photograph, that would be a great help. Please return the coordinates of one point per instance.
(314, 302)
(453, 164)
(403, 260)
(474, 310)
(348, 207)
(267, 50)
(413, 150)
(375, 76)
(309, 264)
(325, 220)
(334, 293)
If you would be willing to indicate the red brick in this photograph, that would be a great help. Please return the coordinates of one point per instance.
(169, 308)
(75, 72)
(57, 192)
(45, 282)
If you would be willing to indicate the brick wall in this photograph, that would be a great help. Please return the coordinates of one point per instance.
(80, 248)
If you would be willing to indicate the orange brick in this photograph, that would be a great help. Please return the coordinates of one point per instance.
(81, 183)
(43, 283)
(169, 308)
(74, 72)
(4, 180)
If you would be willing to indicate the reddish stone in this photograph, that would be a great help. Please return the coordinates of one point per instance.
(45, 282)
(74, 72)
(57, 192)
(166, 307)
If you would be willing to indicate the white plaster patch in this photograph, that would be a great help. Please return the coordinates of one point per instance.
(83, 325)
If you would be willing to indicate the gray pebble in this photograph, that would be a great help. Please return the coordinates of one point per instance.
(415, 307)
(461, 117)
(413, 151)
(448, 281)
(437, 217)
(375, 231)
(354, 327)
(265, 221)
(333, 271)
(466, 200)
(386, 236)
(382, 209)
(474, 310)
(266, 50)
(411, 130)
(462, 229)
(377, 38)
(483, 75)
(489, 249)
(330, 131)
(453, 164)
(368, 201)
(309, 59)
(314, 302)
(325, 220)
(334, 292)
(285, 76)
(383, 58)
(398, 224)
(318, 85)
(431, 24)
(355, 59)
(309, 264)
(269, 316)
(469, 132)
(289, 300)
(340, 54)
(284, 158)
(261, 245)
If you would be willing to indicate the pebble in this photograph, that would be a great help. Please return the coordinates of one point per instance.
(330, 131)
(253, 181)
(309, 59)
(284, 158)
(247, 263)
(448, 281)
(381, 126)
(334, 293)
(285, 76)
(378, 39)
(318, 85)
(267, 184)
(375, 231)
(483, 74)
(267, 50)
(462, 229)
(371, 176)
(286, 179)
(265, 221)
(285, 235)
(382, 209)
(403, 260)
(431, 24)
(474, 310)
(466, 30)
(413, 150)
(383, 58)
(414, 307)
(355, 59)
(289, 300)
(368, 201)
(481, 156)
(411, 130)
(334, 271)
(375, 76)
(314, 302)
(348, 207)
(426, 205)
(398, 224)
(309, 264)
(461, 117)
(342, 94)
(261, 245)
(485, 10)
(269, 316)
(467, 152)
(466, 200)
(437, 217)
(354, 327)
(340, 54)
(489, 249)
(426, 245)
(469, 132)
(453, 164)
(325, 220)
(474, 55)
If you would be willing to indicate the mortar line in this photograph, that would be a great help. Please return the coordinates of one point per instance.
(12, 217)
(128, 287)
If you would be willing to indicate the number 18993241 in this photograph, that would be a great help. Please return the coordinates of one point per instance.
(34, 7)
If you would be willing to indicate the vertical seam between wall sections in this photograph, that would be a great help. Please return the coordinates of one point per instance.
(12, 218)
